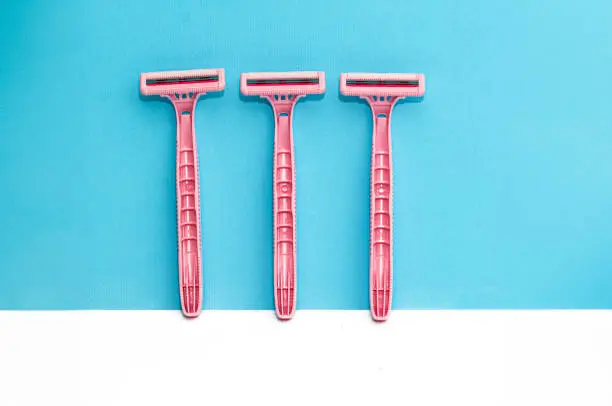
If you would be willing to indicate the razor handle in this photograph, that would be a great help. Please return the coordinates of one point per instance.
(188, 209)
(284, 209)
(381, 211)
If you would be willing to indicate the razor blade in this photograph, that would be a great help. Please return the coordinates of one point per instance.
(271, 83)
(196, 81)
(382, 84)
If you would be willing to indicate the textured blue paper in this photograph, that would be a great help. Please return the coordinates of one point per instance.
(503, 192)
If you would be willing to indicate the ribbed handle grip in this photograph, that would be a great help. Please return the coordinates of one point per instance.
(284, 217)
(381, 220)
(188, 212)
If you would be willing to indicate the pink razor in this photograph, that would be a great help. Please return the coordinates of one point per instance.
(283, 90)
(381, 91)
(183, 88)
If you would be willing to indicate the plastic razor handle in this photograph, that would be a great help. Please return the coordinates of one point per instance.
(381, 210)
(282, 90)
(183, 88)
(284, 208)
(381, 91)
(188, 209)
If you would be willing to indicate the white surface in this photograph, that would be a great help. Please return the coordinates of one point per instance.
(450, 358)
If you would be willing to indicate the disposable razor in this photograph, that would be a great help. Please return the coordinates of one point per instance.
(282, 90)
(183, 88)
(381, 92)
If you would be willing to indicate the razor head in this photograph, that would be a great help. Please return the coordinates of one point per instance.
(271, 83)
(382, 84)
(197, 81)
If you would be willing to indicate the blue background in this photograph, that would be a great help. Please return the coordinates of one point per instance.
(503, 192)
